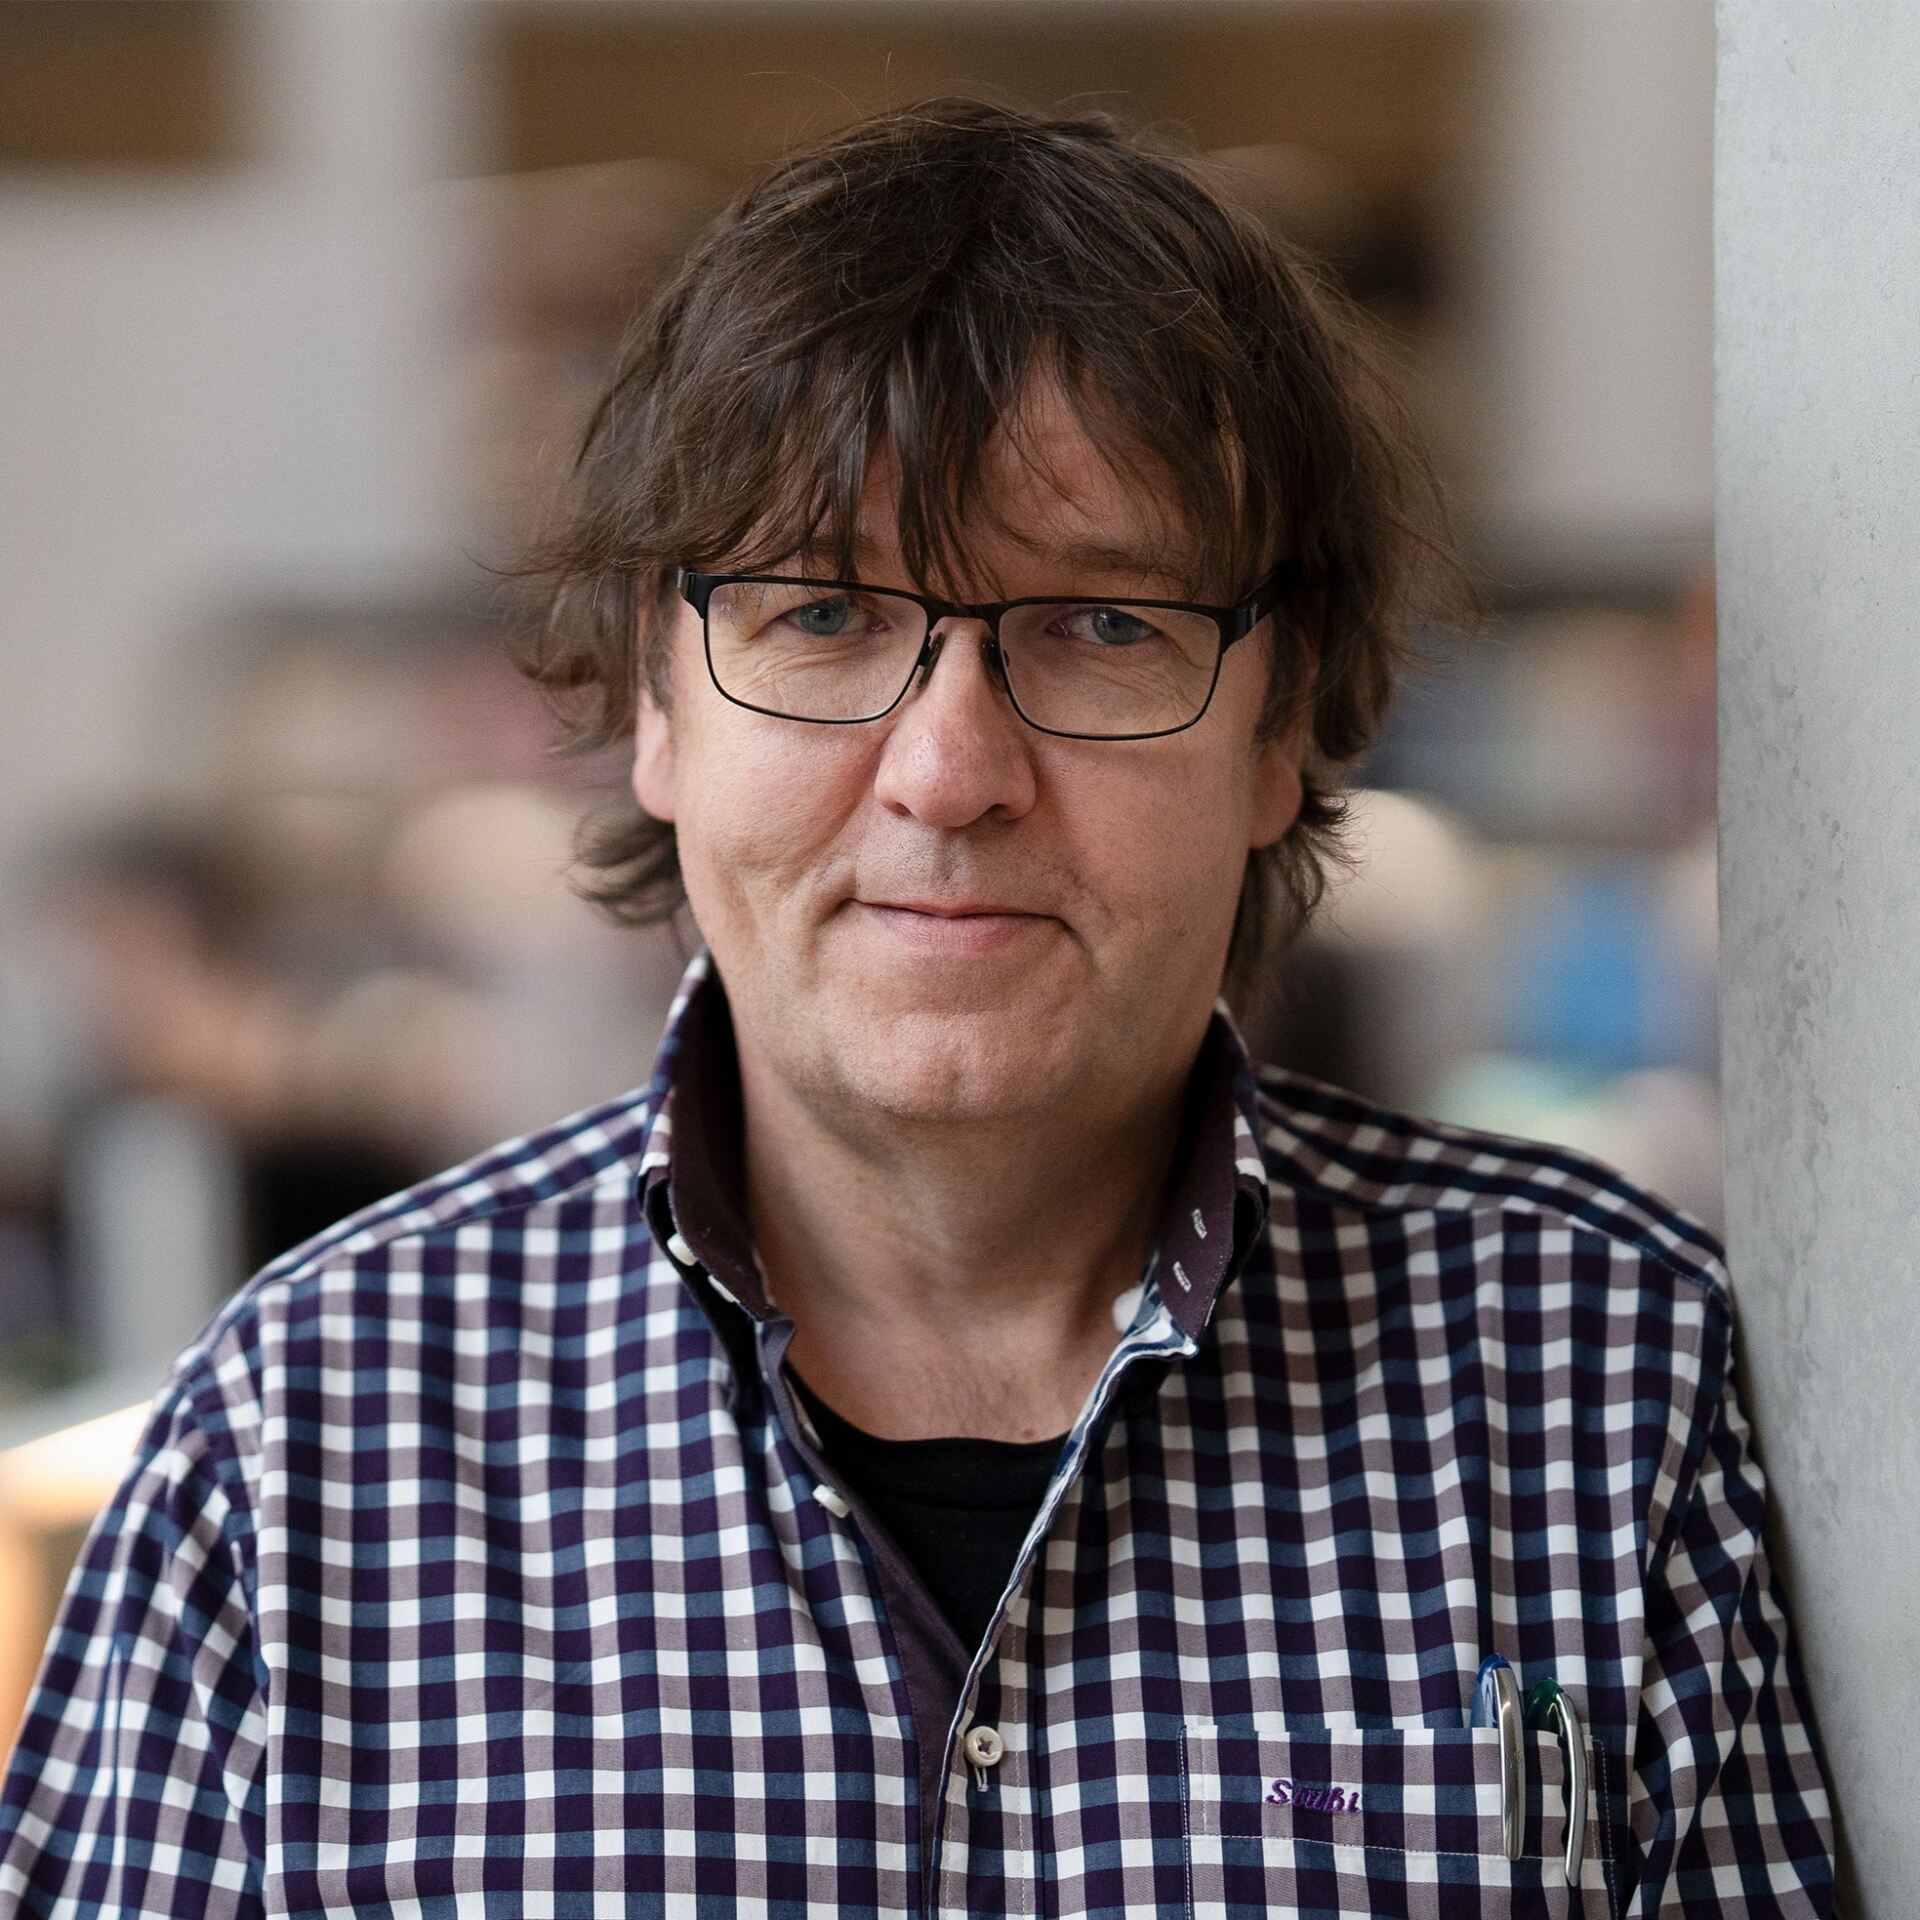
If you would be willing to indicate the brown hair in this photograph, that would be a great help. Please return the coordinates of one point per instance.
(897, 287)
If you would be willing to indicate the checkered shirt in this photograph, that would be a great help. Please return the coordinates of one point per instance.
(476, 1560)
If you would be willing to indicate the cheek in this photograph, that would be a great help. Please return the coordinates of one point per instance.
(1167, 838)
(762, 806)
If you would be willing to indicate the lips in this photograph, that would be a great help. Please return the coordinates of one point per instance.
(953, 909)
(952, 927)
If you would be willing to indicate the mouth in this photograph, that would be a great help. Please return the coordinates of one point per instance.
(950, 926)
(951, 909)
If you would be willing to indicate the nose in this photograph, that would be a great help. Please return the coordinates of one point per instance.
(956, 751)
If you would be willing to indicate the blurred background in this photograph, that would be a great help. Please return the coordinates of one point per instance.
(301, 307)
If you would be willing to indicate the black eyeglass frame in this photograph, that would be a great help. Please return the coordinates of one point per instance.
(1234, 623)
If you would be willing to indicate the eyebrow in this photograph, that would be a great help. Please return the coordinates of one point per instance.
(1144, 561)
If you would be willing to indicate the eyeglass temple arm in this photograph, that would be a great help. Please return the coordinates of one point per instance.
(1262, 600)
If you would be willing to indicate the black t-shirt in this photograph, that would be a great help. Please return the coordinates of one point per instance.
(958, 1509)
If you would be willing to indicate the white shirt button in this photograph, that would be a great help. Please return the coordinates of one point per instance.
(833, 1500)
(983, 1746)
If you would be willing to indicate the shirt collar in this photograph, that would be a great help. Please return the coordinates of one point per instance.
(693, 1172)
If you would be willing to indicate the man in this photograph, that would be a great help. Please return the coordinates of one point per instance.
(960, 1441)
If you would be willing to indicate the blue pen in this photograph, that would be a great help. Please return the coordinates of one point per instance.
(1496, 1703)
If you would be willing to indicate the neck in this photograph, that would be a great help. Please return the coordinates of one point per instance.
(955, 1281)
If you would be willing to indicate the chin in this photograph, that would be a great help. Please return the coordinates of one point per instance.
(949, 1067)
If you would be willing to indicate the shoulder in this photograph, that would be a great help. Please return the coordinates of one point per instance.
(476, 1229)
(1321, 1142)
(1525, 1275)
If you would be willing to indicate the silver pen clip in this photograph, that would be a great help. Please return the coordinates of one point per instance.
(1513, 1760)
(1496, 1704)
(1550, 1704)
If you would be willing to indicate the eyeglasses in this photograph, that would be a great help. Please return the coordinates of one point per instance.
(837, 652)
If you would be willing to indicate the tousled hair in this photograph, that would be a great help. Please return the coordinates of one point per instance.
(895, 290)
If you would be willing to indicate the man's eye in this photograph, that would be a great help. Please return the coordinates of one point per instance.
(1109, 626)
(823, 618)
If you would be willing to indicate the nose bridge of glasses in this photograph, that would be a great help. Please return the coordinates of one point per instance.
(941, 617)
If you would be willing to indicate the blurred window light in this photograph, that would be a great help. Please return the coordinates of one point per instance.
(51, 1490)
(63, 1479)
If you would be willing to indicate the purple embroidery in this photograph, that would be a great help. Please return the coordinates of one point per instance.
(1316, 1799)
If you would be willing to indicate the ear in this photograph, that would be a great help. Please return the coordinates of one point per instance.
(1277, 790)
(653, 762)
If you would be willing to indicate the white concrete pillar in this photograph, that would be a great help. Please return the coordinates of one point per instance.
(1818, 455)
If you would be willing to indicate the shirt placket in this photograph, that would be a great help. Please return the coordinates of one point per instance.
(981, 1852)
(985, 1855)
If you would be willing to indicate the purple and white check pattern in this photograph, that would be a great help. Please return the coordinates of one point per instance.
(472, 1563)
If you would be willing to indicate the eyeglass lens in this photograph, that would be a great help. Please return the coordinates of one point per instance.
(1090, 667)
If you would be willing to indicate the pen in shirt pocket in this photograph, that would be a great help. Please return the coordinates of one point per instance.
(1548, 1709)
(1496, 1703)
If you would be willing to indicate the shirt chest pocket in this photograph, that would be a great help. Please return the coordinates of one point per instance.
(1328, 1823)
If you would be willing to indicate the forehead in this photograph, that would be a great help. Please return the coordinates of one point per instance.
(1061, 493)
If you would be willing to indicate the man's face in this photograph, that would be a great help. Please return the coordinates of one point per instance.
(944, 915)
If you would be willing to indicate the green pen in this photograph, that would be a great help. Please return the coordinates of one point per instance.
(1549, 1710)
(1540, 1700)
